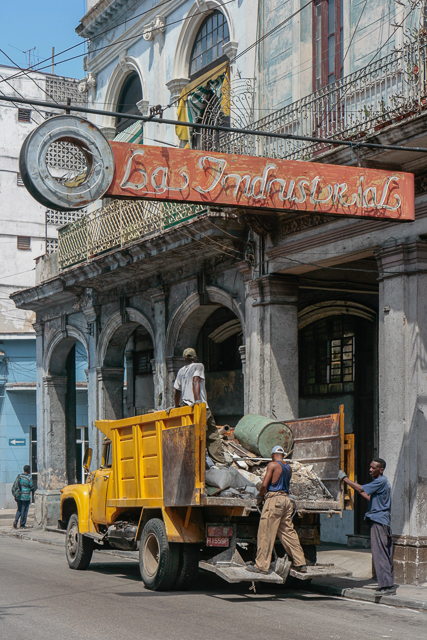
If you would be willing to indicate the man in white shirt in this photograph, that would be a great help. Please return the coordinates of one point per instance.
(189, 389)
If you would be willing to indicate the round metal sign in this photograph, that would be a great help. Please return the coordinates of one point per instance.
(66, 163)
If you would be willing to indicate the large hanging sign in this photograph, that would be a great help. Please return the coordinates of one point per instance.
(219, 179)
(87, 167)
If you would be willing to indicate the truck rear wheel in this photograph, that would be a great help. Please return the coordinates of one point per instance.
(188, 566)
(78, 549)
(158, 559)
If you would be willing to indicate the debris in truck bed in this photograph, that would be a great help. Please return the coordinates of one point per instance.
(305, 484)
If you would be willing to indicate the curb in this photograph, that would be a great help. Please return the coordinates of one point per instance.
(366, 595)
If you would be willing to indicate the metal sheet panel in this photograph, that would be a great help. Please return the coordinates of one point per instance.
(179, 466)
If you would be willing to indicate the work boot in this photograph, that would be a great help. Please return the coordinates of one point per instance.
(386, 591)
(15, 526)
(301, 569)
(254, 569)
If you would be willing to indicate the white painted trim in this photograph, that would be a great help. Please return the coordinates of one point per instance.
(17, 336)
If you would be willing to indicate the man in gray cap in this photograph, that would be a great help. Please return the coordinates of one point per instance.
(276, 517)
(190, 389)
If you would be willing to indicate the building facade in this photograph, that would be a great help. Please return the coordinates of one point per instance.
(27, 231)
(292, 314)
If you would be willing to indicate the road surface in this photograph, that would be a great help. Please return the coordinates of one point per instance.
(42, 599)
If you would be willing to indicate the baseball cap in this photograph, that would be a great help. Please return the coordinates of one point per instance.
(277, 449)
(190, 354)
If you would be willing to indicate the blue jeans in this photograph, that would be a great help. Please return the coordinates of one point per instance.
(22, 512)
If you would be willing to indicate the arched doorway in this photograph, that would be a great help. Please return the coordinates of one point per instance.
(218, 348)
(125, 377)
(337, 355)
(130, 95)
(66, 406)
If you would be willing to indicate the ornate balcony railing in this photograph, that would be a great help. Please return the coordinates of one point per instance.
(116, 225)
(350, 108)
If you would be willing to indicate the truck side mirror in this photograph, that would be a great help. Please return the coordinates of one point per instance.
(87, 459)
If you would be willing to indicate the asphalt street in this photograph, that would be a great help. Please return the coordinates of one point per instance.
(42, 599)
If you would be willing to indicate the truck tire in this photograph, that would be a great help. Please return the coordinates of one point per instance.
(78, 549)
(188, 567)
(158, 559)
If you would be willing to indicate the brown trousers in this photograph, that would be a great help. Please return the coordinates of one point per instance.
(276, 520)
(213, 441)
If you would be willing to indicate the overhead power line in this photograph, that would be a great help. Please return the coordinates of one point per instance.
(214, 127)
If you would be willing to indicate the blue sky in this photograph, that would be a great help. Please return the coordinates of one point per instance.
(43, 24)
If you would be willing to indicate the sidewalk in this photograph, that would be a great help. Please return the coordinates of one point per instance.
(360, 586)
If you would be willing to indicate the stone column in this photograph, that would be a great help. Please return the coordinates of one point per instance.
(174, 364)
(130, 380)
(91, 313)
(110, 392)
(162, 389)
(272, 347)
(242, 352)
(52, 474)
(403, 400)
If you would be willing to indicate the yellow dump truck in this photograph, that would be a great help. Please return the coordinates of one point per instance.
(150, 494)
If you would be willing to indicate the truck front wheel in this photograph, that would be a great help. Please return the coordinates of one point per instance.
(158, 559)
(78, 549)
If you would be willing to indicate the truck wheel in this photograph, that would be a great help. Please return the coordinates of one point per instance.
(188, 566)
(158, 559)
(78, 549)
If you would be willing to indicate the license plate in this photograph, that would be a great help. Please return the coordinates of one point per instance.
(212, 541)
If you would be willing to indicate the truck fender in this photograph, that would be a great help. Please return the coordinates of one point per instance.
(184, 524)
(75, 499)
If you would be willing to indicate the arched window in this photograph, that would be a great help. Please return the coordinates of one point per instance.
(207, 47)
(130, 94)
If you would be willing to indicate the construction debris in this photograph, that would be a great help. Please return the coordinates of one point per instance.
(244, 477)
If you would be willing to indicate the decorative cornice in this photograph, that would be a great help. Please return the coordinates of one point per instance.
(274, 289)
(402, 259)
(176, 85)
(109, 373)
(154, 28)
(302, 223)
(174, 364)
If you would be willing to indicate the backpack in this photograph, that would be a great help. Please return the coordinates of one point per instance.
(16, 488)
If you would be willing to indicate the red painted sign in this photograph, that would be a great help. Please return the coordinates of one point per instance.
(262, 184)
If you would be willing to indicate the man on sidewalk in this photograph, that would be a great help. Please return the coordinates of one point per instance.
(378, 492)
(24, 501)
(276, 517)
(190, 388)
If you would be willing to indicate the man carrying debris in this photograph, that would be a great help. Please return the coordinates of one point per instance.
(190, 389)
(276, 517)
(378, 492)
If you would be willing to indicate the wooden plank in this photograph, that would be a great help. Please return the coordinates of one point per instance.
(179, 466)
(262, 184)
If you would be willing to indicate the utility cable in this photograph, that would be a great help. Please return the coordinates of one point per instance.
(28, 76)
(214, 127)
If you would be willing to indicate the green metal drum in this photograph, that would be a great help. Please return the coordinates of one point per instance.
(259, 435)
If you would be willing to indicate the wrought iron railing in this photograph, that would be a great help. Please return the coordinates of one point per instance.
(116, 225)
(348, 109)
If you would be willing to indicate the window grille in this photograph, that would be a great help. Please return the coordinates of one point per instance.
(63, 155)
(51, 245)
(19, 180)
(59, 89)
(24, 115)
(327, 356)
(142, 362)
(59, 218)
(207, 47)
(23, 242)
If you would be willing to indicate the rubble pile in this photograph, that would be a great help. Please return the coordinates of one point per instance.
(243, 478)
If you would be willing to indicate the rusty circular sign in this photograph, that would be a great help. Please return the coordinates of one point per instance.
(66, 163)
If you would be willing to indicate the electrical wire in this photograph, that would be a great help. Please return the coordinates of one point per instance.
(28, 76)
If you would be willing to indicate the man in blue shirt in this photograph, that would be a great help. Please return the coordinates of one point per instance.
(378, 492)
(24, 501)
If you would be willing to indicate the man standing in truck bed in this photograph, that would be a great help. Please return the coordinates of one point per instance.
(276, 517)
(190, 388)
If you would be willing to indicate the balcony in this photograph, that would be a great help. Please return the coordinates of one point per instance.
(390, 89)
(116, 225)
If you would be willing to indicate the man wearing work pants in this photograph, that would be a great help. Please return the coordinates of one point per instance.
(276, 517)
(190, 388)
(378, 492)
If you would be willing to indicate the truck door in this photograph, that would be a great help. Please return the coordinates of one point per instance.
(100, 486)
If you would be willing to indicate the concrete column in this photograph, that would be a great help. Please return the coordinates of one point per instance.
(242, 352)
(110, 392)
(403, 400)
(162, 388)
(130, 379)
(272, 347)
(52, 475)
(91, 313)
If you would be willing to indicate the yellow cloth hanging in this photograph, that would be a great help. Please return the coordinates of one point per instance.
(182, 131)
